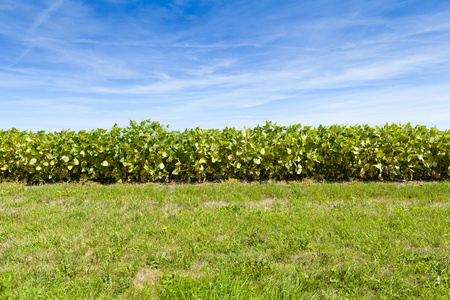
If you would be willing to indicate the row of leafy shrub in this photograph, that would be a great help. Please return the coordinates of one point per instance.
(150, 152)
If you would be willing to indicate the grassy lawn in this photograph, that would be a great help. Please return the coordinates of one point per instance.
(226, 240)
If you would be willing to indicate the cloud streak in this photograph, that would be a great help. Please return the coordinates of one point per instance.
(40, 20)
(45, 15)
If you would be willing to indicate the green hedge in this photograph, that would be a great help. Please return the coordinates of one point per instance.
(150, 152)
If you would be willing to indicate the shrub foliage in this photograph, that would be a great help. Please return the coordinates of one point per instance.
(148, 151)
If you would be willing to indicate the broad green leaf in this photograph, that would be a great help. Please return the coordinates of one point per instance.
(33, 161)
(161, 166)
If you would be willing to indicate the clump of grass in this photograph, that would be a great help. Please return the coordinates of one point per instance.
(225, 241)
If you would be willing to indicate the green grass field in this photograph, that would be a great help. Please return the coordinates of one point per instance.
(226, 240)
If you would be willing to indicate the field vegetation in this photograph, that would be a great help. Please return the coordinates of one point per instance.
(150, 152)
(229, 240)
(115, 214)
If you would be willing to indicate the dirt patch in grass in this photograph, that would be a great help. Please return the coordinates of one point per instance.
(171, 209)
(216, 204)
(17, 200)
(305, 257)
(10, 211)
(146, 276)
(441, 204)
(266, 204)
(195, 270)
(222, 237)
(427, 250)
(370, 203)
(55, 202)
(88, 254)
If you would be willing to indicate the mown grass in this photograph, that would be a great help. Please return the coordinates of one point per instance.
(225, 241)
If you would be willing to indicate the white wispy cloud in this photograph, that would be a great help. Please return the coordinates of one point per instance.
(41, 19)
(45, 15)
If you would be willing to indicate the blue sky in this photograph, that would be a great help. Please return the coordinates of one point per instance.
(84, 64)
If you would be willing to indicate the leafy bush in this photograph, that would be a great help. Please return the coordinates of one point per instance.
(150, 152)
